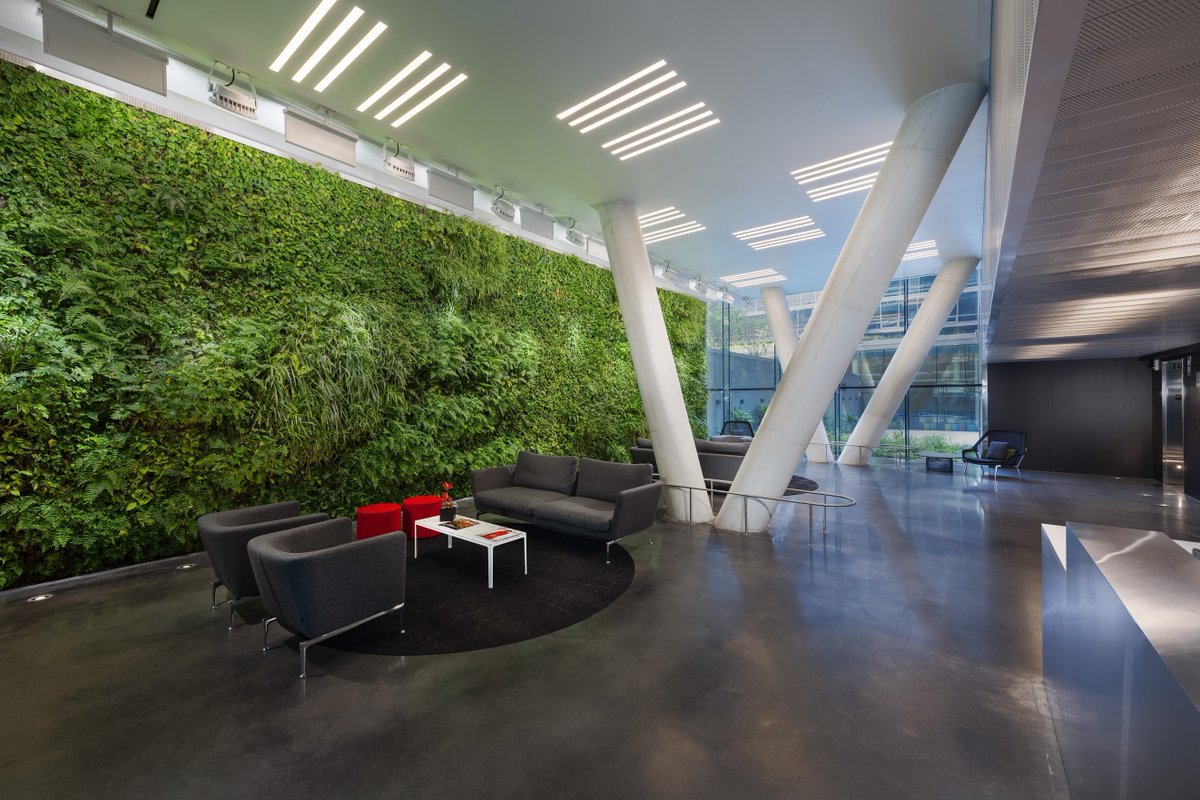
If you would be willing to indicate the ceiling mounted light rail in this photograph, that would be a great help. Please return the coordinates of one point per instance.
(631, 95)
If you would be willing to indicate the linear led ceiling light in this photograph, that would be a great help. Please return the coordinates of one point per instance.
(307, 28)
(841, 188)
(793, 238)
(842, 164)
(754, 278)
(774, 227)
(662, 216)
(428, 101)
(395, 79)
(330, 42)
(926, 249)
(599, 110)
(349, 58)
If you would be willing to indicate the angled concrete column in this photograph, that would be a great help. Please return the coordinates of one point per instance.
(931, 132)
(914, 347)
(653, 362)
(780, 320)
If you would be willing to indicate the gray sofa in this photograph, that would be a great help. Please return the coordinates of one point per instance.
(582, 497)
(719, 461)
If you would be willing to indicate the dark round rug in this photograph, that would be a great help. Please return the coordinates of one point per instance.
(448, 607)
(802, 484)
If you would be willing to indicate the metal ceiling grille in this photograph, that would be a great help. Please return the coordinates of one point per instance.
(1109, 260)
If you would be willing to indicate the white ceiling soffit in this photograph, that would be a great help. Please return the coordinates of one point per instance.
(1108, 263)
(793, 84)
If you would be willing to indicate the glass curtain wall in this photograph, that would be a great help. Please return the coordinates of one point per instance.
(941, 411)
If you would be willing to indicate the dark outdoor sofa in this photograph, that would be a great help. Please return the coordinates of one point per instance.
(583, 497)
(719, 461)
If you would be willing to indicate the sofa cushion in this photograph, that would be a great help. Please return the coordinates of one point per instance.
(517, 499)
(725, 448)
(645, 443)
(551, 473)
(581, 512)
(996, 451)
(604, 480)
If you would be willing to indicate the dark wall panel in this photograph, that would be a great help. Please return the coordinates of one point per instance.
(1092, 416)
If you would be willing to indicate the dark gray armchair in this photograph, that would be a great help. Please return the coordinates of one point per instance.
(319, 581)
(225, 535)
(996, 449)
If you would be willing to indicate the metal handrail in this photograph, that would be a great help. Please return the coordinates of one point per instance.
(801, 498)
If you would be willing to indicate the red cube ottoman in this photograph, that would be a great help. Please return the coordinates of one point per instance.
(378, 518)
(420, 507)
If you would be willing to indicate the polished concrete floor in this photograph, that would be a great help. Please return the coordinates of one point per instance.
(901, 658)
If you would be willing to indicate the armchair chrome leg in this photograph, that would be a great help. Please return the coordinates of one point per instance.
(318, 639)
(215, 584)
(266, 625)
(607, 552)
(232, 605)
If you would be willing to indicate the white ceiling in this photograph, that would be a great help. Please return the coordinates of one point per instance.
(792, 83)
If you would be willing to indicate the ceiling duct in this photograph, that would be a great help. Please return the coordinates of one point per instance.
(81, 41)
(320, 137)
(451, 189)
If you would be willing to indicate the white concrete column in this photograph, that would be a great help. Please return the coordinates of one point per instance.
(784, 334)
(927, 140)
(914, 347)
(653, 362)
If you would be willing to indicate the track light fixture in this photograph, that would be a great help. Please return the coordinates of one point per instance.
(502, 208)
(573, 236)
(398, 164)
(228, 96)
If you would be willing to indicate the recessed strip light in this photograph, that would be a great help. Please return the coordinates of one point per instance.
(767, 244)
(836, 166)
(693, 227)
(330, 41)
(651, 137)
(841, 188)
(349, 58)
(653, 125)
(673, 228)
(650, 215)
(776, 278)
(307, 28)
(614, 88)
(418, 86)
(674, 215)
(742, 276)
(598, 110)
(926, 249)
(399, 76)
(670, 139)
(631, 108)
(763, 230)
(421, 106)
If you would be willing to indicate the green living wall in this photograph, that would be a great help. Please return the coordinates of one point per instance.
(189, 324)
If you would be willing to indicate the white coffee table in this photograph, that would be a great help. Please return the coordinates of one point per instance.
(475, 535)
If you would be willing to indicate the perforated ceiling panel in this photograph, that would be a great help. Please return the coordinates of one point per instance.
(1109, 259)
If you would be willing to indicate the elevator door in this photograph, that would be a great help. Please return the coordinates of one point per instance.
(1172, 418)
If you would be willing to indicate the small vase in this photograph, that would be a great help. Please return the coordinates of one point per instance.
(448, 513)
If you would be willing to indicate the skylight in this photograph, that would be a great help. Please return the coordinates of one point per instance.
(639, 90)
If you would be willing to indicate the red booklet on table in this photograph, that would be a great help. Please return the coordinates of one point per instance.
(496, 534)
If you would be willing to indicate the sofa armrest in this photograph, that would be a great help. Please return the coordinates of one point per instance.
(970, 451)
(635, 509)
(492, 478)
